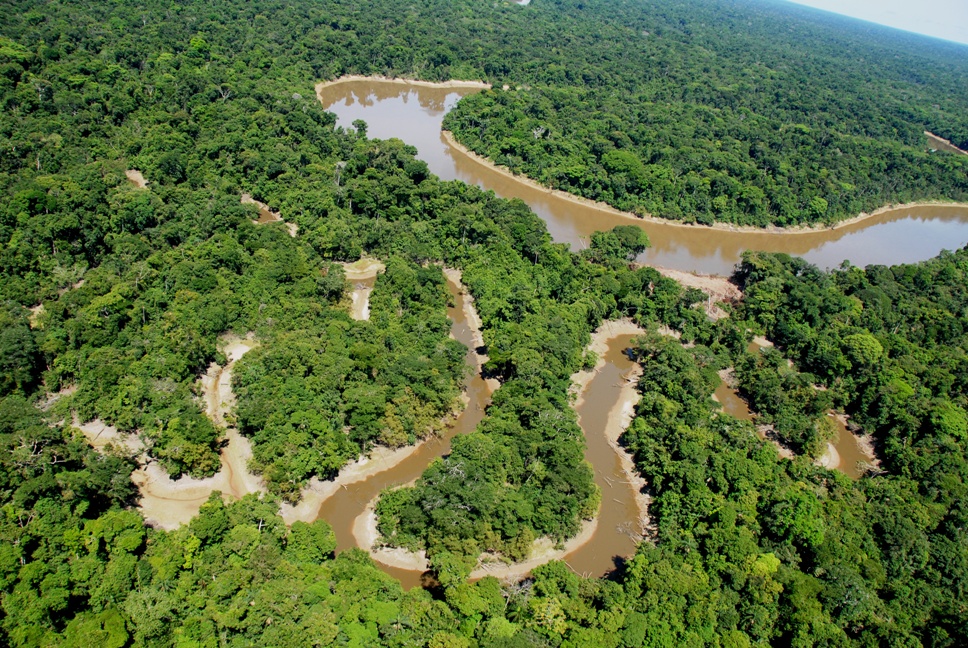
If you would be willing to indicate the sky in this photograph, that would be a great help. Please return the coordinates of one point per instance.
(947, 19)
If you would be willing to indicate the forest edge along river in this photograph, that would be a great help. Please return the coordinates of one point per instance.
(414, 112)
(606, 395)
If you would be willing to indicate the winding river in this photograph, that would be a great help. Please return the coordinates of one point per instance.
(414, 113)
(346, 505)
(604, 411)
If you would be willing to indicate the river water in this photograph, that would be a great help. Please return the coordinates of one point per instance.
(414, 115)
(349, 502)
(619, 529)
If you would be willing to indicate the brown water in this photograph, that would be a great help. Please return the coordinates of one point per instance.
(852, 456)
(731, 402)
(342, 509)
(619, 529)
(414, 115)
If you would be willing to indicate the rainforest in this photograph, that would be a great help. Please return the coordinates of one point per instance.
(226, 314)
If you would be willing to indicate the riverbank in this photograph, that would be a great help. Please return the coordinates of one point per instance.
(378, 460)
(717, 288)
(455, 276)
(168, 503)
(944, 144)
(362, 274)
(725, 227)
(364, 526)
(621, 415)
(382, 459)
(543, 550)
(266, 215)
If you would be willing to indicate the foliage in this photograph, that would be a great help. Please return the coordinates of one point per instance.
(137, 285)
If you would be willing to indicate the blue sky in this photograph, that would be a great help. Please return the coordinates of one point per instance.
(946, 19)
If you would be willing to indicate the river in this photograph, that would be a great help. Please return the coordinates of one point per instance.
(603, 410)
(350, 502)
(414, 114)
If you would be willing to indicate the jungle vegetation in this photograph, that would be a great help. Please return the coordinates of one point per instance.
(212, 100)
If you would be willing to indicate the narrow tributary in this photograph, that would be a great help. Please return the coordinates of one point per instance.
(351, 501)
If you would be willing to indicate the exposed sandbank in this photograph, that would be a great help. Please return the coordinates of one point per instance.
(543, 550)
(946, 144)
(622, 413)
(366, 535)
(266, 215)
(473, 322)
(134, 177)
(168, 503)
(361, 273)
(380, 458)
(718, 288)
(830, 459)
(634, 218)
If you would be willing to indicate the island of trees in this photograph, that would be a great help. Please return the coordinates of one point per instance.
(115, 292)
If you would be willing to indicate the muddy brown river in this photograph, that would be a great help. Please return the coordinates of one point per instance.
(619, 527)
(619, 523)
(414, 115)
(349, 502)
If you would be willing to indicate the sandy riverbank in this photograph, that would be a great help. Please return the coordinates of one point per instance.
(266, 215)
(622, 413)
(718, 288)
(101, 436)
(599, 345)
(380, 458)
(134, 177)
(542, 551)
(830, 459)
(168, 503)
(635, 218)
(943, 143)
(455, 276)
(361, 273)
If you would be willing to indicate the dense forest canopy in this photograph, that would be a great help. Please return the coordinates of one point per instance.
(114, 297)
(741, 112)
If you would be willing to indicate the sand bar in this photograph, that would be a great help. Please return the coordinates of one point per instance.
(380, 458)
(168, 503)
(362, 273)
(134, 177)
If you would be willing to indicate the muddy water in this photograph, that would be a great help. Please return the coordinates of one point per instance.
(414, 115)
(732, 403)
(342, 509)
(852, 456)
(619, 529)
